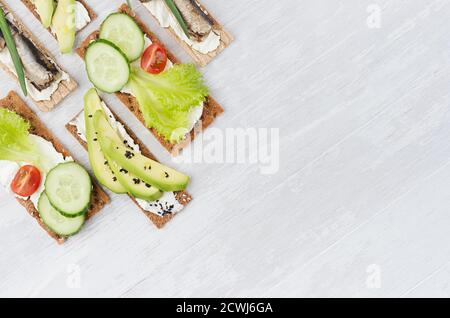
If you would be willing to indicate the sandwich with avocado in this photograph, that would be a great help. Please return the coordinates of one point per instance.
(63, 18)
(40, 76)
(122, 163)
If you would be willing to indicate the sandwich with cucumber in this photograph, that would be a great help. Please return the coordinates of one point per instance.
(169, 98)
(41, 77)
(192, 26)
(122, 163)
(42, 175)
(63, 18)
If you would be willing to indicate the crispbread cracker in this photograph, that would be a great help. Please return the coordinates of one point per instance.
(182, 196)
(202, 59)
(32, 8)
(65, 87)
(211, 109)
(99, 198)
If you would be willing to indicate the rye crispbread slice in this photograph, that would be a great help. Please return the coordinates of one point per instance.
(211, 109)
(65, 87)
(182, 196)
(202, 59)
(32, 8)
(99, 198)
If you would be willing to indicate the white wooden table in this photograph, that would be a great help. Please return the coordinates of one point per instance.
(359, 207)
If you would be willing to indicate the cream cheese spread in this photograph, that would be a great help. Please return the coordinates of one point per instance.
(82, 17)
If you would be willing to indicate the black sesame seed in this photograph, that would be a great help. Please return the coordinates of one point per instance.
(106, 162)
(90, 116)
(124, 171)
(166, 174)
(95, 139)
(136, 181)
(114, 179)
(148, 185)
(129, 154)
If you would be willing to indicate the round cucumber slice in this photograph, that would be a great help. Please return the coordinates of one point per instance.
(57, 222)
(107, 67)
(69, 187)
(123, 31)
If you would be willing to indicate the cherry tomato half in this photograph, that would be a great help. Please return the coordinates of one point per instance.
(27, 181)
(154, 59)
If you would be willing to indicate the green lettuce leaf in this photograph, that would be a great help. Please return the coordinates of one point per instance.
(15, 142)
(166, 99)
(180, 87)
(171, 124)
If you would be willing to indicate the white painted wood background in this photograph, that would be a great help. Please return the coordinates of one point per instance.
(359, 207)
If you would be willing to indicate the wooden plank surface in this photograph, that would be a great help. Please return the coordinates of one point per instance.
(359, 205)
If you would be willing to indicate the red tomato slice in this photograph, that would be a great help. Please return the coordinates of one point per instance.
(154, 59)
(27, 181)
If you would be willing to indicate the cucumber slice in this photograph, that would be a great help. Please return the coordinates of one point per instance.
(123, 31)
(69, 187)
(107, 67)
(57, 222)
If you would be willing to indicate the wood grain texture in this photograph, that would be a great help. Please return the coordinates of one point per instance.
(359, 206)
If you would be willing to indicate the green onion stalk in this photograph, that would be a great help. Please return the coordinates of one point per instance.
(9, 40)
(178, 16)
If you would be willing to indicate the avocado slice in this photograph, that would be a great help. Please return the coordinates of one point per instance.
(134, 185)
(45, 9)
(146, 169)
(99, 163)
(63, 25)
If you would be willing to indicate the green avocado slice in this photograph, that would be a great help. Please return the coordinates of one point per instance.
(45, 9)
(133, 184)
(146, 169)
(63, 25)
(99, 164)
